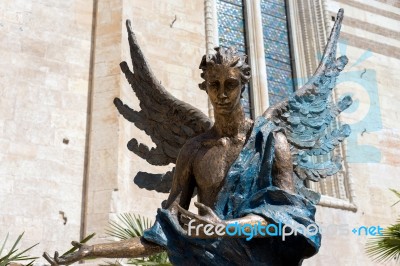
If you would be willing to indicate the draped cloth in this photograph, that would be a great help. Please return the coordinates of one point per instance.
(248, 189)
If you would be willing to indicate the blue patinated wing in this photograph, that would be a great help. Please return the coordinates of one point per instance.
(307, 114)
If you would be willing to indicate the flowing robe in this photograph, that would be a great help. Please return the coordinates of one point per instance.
(248, 189)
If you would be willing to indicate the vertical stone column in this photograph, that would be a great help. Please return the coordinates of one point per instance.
(211, 29)
(310, 27)
(102, 163)
(255, 44)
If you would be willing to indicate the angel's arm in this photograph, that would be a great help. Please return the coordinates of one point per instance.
(282, 175)
(183, 183)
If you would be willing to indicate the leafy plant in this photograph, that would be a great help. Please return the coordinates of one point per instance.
(131, 225)
(397, 193)
(14, 254)
(387, 246)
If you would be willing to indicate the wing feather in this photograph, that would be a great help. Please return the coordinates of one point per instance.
(168, 121)
(306, 115)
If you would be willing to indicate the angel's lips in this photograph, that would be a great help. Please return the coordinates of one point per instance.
(224, 105)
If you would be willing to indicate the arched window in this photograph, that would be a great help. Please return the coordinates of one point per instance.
(232, 21)
(283, 40)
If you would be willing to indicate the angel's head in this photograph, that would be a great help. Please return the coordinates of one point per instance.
(225, 73)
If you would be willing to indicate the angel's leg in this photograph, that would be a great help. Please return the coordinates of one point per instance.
(283, 165)
(131, 248)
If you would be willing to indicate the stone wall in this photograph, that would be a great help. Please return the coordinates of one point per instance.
(44, 73)
(103, 126)
(374, 26)
(171, 35)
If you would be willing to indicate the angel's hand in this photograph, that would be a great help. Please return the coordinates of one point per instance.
(83, 252)
(191, 220)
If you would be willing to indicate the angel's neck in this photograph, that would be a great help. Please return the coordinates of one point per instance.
(231, 125)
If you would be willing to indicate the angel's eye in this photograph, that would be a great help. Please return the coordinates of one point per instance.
(213, 85)
(231, 83)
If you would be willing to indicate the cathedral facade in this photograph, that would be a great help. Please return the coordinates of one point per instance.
(65, 169)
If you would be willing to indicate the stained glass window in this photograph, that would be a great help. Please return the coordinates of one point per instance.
(279, 68)
(232, 29)
(277, 50)
(231, 32)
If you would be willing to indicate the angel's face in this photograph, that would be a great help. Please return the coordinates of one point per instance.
(224, 88)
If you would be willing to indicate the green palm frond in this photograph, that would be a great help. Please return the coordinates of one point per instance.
(397, 193)
(385, 247)
(4, 244)
(111, 263)
(130, 225)
(160, 259)
(83, 241)
(14, 254)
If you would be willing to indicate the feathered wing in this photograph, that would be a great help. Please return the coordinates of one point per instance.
(306, 115)
(168, 121)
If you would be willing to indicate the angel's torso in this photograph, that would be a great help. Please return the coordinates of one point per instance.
(211, 162)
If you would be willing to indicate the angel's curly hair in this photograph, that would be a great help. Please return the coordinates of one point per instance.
(229, 57)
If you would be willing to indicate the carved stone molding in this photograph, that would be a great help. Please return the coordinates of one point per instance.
(310, 25)
(211, 28)
(255, 46)
(308, 35)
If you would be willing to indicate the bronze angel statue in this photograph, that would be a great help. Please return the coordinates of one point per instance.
(247, 174)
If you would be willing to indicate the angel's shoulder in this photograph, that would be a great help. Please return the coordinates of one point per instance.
(192, 145)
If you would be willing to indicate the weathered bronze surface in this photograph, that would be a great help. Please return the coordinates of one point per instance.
(205, 153)
(132, 248)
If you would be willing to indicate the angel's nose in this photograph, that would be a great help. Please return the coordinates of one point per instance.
(221, 94)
